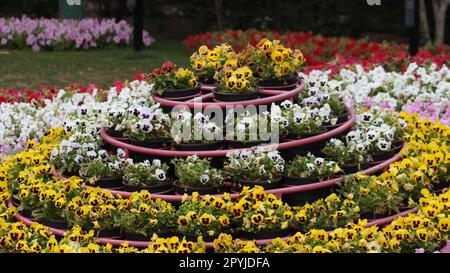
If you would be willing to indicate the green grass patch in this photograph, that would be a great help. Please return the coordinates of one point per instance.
(25, 69)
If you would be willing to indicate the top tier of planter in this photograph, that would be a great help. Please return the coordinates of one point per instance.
(273, 96)
(206, 99)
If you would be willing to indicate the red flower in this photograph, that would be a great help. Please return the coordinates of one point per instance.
(139, 77)
(119, 86)
(168, 67)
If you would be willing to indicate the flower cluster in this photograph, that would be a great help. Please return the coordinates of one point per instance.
(235, 80)
(189, 128)
(254, 166)
(207, 61)
(168, 78)
(145, 173)
(197, 172)
(52, 34)
(312, 166)
(271, 60)
(206, 215)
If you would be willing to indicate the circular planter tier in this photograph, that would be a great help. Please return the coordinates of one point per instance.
(289, 144)
(280, 191)
(270, 96)
(209, 245)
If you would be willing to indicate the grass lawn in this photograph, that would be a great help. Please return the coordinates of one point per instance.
(25, 69)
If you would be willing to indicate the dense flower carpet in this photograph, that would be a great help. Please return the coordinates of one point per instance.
(64, 188)
(52, 34)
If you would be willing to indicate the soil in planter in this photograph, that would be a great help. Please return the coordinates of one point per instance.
(263, 235)
(156, 188)
(354, 168)
(216, 145)
(301, 198)
(237, 144)
(287, 84)
(180, 93)
(58, 224)
(179, 189)
(230, 97)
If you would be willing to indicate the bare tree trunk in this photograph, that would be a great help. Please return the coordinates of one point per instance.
(440, 10)
(218, 4)
(424, 20)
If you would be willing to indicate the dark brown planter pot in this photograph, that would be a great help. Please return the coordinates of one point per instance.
(193, 237)
(266, 185)
(216, 145)
(160, 187)
(237, 144)
(264, 234)
(179, 189)
(180, 93)
(374, 216)
(229, 97)
(58, 224)
(109, 182)
(301, 198)
(287, 84)
(354, 168)
(153, 144)
(109, 233)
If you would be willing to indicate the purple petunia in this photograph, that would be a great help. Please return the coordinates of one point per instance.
(44, 33)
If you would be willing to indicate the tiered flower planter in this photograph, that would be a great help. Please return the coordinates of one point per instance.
(269, 96)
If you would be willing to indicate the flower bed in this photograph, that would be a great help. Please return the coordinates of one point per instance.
(62, 136)
(52, 34)
(326, 52)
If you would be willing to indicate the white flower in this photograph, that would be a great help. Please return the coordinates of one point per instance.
(78, 159)
(204, 179)
(160, 175)
(360, 147)
(310, 167)
(383, 145)
(287, 104)
(372, 135)
(121, 153)
(319, 161)
(274, 156)
(103, 154)
(156, 162)
(91, 154)
(245, 154)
